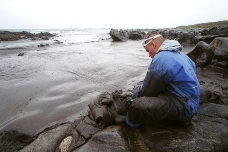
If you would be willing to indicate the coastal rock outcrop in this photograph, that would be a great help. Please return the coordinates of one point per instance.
(207, 132)
(12, 36)
(184, 36)
(49, 140)
(136, 34)
(201, 54)
(215, 54)
(215, 30)
(124, 35)
(119, 35)
(220, 48)
(209, 38)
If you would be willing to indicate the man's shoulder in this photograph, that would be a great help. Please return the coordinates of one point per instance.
(165, 56)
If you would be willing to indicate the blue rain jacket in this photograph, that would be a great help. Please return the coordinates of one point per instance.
(174, 73)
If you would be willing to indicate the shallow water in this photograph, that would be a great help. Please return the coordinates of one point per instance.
(52, 84)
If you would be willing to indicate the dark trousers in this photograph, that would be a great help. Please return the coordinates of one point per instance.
(148, 109)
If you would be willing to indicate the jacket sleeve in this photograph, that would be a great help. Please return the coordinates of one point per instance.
(152, 85)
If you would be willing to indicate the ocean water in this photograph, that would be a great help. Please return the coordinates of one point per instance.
(54, 84)
(68, 36)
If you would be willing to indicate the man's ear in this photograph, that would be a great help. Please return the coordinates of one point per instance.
(153, 44)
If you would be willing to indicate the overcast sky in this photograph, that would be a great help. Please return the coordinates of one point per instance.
(39, 14)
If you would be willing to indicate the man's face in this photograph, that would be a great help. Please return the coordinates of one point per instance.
(151, 49)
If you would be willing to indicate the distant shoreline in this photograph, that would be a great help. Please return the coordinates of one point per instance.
(12, 36)
(198, 25)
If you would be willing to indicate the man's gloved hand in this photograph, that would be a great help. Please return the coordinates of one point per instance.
(120, 120)
(109, 109)
(139, 92)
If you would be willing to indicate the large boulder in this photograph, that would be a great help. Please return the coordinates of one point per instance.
(215, 54)
(215, 30)
(136, 34)
(209, 38)
(201, 54)
(220, 48)
(218, 30)
(119, 35)
(187, 38)
(123, 35)
(49, 140)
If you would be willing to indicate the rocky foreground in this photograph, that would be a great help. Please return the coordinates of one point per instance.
(208, 130)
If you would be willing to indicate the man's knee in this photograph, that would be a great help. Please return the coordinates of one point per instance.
(146, 109)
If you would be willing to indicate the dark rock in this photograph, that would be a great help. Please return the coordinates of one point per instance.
(206, 132)
(33, 39)
(45, 37)
(77, 141)
(21, 54)
(58, 42)
(136, 35)
(49, 140)
(44, 34)
(187, 39)
(213, 93)
(215, 54)
(9, 36)
(111, 139)
(12, 36)
(202, 54)
(215, 30)
(220, 48)
(204, 32)
(42, 45)
(218, 30)
(184, 36)
(169, 34)
(205, 94)
(123, 35)
(14, 141)
(119, 35)
(87, 128)
(219, 45)
(209, 38)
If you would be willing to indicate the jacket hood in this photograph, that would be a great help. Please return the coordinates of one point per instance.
(170, 45)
